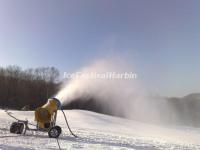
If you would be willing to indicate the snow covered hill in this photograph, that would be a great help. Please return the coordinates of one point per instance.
(97, 131)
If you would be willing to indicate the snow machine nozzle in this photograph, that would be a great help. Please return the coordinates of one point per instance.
(59, 105)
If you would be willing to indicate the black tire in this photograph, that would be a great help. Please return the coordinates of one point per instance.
(20, 128)
(55, 132)
(17, 128)
(13, 127)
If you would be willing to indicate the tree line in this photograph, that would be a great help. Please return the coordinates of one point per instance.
(31, 87)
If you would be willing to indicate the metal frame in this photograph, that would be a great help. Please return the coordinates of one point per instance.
(26, 123)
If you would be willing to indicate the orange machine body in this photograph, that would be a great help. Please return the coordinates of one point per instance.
(45, 116)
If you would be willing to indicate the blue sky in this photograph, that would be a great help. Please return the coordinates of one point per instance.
(160, 37)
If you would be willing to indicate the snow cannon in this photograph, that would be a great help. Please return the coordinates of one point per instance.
(46, 115)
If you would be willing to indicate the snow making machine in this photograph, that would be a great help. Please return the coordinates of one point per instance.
(45, 117)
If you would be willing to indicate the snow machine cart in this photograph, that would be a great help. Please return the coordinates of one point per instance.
(45, 117)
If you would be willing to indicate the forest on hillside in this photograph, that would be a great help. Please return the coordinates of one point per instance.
(31, 87)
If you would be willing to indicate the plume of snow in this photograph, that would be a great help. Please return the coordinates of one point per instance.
(123, 97)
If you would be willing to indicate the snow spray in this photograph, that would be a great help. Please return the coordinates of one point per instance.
(123, 97)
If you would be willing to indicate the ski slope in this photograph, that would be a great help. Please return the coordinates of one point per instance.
(97, 131)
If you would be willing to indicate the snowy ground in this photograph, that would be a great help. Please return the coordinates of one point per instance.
(97, 131)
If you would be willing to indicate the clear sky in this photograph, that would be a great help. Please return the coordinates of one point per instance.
(161, 37)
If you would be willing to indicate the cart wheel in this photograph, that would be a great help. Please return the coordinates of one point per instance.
(55, 132)
(20, 128)
(17, 128)
(13, 127)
